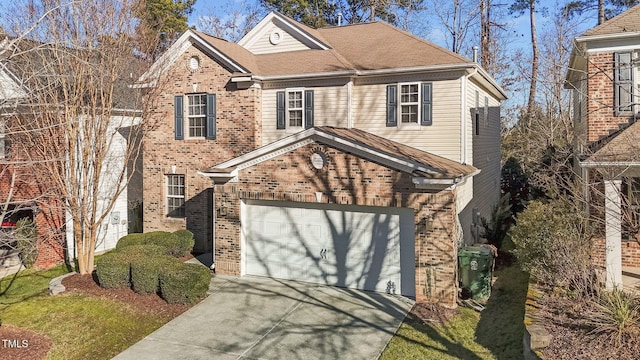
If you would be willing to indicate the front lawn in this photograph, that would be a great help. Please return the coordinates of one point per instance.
(495, 333)
(79, 325)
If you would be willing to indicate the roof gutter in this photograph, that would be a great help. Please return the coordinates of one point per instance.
(625, 35)
(597, 164)
(429, 183)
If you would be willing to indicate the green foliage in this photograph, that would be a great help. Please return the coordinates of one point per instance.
(161, 23)
(495, 229)
(184, 283)
(186, 241)
(552, 242)
(114, 270)
(129, 240)
(615, 316)
(135, 251)
(171, 242)
(27, 237)
(145, 271)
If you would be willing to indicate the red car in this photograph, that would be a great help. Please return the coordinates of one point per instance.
(8, 223)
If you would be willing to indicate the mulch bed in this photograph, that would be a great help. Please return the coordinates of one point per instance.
(22, 344)
(152, 303)
(571, 336)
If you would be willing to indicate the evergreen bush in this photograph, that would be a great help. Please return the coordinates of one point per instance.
(184, 283)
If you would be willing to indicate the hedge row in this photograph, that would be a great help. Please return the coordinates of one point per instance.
(148, 264)
(179, 243)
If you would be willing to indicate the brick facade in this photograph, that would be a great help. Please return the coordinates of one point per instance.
(30, 191)
(347, 179)
(601, 116)
(238, 120)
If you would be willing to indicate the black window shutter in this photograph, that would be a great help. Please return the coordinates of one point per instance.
(426, 118)
(308, 109)
(623, 84)
(280, 110)
(211, 116)
(178, 108)
(392, 105)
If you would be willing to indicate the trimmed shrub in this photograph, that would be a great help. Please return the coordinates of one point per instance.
(129, 240)
(144, 251)
(145, 271)
(113, 270)
(184, 283)
(27, 237)
(186, 241)
(166, 239)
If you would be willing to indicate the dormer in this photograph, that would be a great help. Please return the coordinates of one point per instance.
(277, 33)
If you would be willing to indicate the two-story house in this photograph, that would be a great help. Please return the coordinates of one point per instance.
(359, 156)
(26, 185)
(604, 76)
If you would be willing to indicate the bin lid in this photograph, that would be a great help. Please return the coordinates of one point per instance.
(475, 250)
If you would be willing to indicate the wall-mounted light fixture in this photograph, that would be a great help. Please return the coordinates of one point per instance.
(222, 210)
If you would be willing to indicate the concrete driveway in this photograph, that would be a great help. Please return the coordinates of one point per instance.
(262, 318)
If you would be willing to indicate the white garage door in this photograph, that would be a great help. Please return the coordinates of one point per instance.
(368, 248)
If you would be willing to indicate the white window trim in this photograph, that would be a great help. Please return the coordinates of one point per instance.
(409, 126)
(186, 124)
(485, 114)
(168, 196)
(287, 124)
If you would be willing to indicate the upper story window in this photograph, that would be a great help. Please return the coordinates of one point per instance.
(295, 112)
(198, 116)
(411, 102)
(294, 109)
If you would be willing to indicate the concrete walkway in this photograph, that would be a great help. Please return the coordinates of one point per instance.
(261, 318)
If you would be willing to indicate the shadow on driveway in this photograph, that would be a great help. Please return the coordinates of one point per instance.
(263, 318)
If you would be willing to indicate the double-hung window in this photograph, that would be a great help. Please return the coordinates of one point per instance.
(294, 109)
(410, 103)
(175, 196)
(197, 116)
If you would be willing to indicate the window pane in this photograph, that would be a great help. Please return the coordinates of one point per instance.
(409, 113)
(409, 93)
(295, 118)
(295, 100)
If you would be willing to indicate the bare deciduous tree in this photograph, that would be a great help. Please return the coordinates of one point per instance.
(80, 124)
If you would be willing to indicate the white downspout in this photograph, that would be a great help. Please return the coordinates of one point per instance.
(463, 116)
(213, 228)
(350, 104)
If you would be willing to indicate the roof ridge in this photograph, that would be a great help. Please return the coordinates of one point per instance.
(613, 21)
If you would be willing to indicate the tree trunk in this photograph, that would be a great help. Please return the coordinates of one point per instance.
(600, 11)
(485, 35)
(534, 61)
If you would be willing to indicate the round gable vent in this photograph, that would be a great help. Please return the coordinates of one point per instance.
(276, 36)
(194, 63)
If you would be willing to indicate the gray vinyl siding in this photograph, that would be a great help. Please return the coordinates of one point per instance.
(330, 109)
(441, 138)
(486, 157)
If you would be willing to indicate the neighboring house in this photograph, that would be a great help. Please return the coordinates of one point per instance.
(359, 156)
(605, 78)
(31, 195)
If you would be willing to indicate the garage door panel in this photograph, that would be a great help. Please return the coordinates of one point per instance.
(343, 245)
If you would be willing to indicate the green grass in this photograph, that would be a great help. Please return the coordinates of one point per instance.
(79, 326)
(495, 333)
